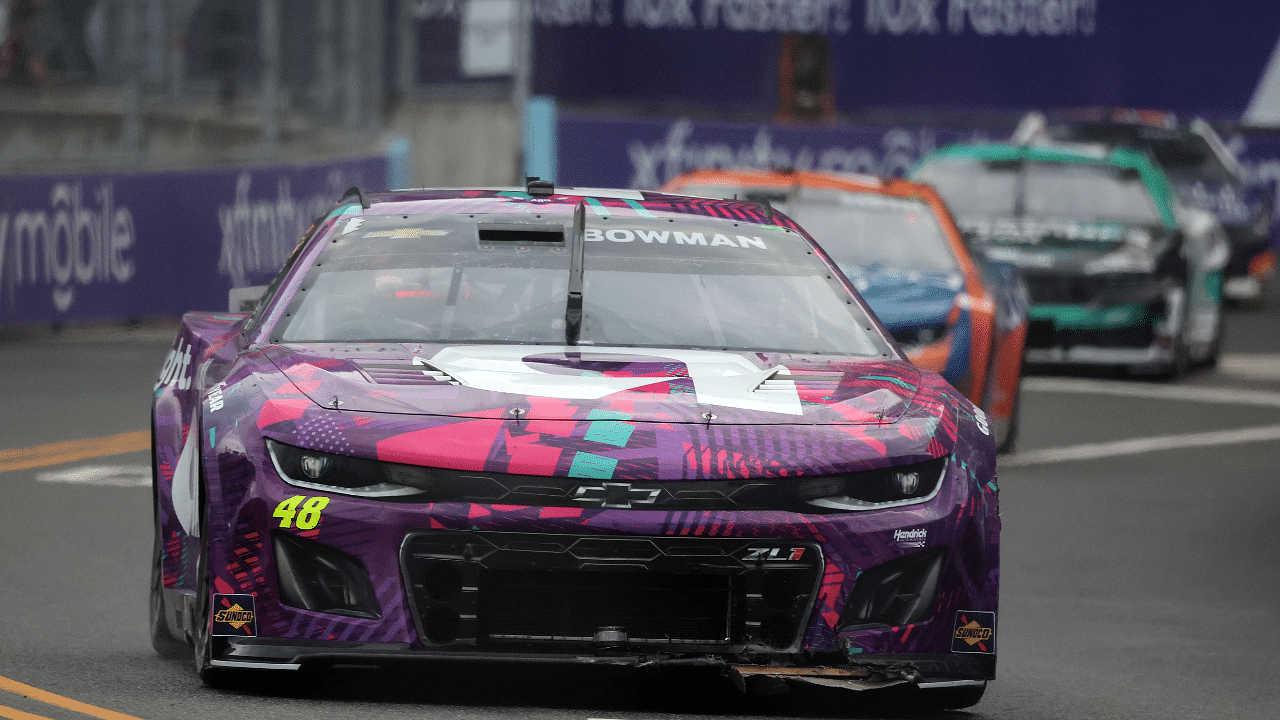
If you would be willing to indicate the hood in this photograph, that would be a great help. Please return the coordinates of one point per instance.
(906, 298)
(538, 383)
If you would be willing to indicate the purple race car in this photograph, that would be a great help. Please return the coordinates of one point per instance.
(571, 425)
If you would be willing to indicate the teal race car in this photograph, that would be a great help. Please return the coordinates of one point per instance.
(1118, 272)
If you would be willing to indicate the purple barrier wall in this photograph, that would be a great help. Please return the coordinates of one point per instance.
(114, 245)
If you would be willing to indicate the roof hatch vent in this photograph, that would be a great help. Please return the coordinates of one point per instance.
(493, 234)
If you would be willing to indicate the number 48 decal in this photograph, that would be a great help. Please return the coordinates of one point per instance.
(307, 518)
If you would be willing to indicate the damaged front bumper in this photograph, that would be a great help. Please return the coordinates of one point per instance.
(830, 670)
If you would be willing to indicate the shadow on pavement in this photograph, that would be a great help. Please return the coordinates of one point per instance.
(598, 690)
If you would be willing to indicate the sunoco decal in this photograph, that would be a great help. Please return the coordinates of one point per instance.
(233, 616)
(975, 632)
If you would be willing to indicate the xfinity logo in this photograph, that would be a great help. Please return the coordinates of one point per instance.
(684, 147)
(616, 495)
(259, 232)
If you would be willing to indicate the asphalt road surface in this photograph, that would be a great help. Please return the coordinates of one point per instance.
(1141, 561)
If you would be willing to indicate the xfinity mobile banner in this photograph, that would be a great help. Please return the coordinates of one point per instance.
(1188, 56)
(114, 246)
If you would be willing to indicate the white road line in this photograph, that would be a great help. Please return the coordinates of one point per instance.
(112, 475)
(1261, 366)
(1192, 393)
(1093, 451)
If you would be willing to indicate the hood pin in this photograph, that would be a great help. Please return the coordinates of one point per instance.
(708, 416)
(335, 403)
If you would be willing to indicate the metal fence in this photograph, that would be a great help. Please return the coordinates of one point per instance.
(244, 79)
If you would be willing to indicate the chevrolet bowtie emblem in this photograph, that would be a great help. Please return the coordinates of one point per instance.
(616, 495)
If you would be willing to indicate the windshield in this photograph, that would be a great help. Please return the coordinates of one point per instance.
(1180, 152)
(856, 228)
(681, 282)
(1082, 192)
(867, 229)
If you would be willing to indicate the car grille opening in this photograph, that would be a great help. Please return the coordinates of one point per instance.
(1054, 288)
(536, 592)
(532, 605)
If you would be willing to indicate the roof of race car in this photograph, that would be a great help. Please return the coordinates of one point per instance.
(603, 203)
(896, 187)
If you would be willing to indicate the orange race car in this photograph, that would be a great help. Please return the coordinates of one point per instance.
(962, 316)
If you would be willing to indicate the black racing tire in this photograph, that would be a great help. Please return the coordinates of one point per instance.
(1215, 348)
(162, 641)
(1180, 364)
(1009, 443)
(935, 699)
(201, 641)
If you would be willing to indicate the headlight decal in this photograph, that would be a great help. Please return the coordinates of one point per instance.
(875, 489)
(344, 474)
(902, 484)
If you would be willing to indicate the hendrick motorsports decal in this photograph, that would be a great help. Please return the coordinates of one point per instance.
(233, 616)
(975, 632)
(911, 538)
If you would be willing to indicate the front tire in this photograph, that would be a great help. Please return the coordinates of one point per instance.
(201, 639)
(1009, 443)
(163, 641)
(1215, 347)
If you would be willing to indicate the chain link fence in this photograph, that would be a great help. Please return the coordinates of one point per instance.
(104, 83)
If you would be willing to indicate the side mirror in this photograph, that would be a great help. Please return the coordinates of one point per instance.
(245, 299)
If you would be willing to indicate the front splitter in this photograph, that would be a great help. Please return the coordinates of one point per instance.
(866, 673)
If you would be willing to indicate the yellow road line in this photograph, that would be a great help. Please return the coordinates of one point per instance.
(49, 698)
(73, 450)
(14, 714)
